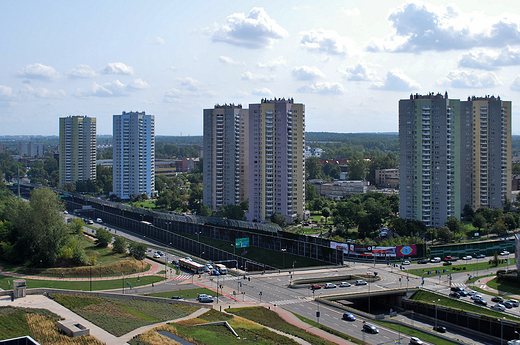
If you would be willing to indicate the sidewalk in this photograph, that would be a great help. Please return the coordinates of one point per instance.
(483, 285)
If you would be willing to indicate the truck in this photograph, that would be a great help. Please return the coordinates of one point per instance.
(222, 269)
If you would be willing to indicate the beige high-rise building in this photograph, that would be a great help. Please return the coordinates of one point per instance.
(276, 160)
(77, 148)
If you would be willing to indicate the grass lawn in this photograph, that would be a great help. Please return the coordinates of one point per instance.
(186, 294)
(271, 319)
(464, 267)
(40, 324)
(149, 204)
(429, 297)
(507, 287)
(81, 285)
(197, 332)
(119, 316)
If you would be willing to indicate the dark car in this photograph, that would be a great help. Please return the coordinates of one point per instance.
(480, 256)
(370, 328)
(447, 263)
(457, 288)
(508, 304)
(480, 301)
(462, 293)
(454, 295)
(423, 261)
(497, 299)
(349, 317)
(440, 329)
(178, 298)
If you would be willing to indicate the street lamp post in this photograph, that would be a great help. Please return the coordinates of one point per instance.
(123, 282)
(436, 313)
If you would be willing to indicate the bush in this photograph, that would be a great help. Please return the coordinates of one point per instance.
(119, 245)
(79, 257)
(103, 238)
(137, 250)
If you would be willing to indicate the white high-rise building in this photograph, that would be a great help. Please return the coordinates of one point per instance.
(134, 154)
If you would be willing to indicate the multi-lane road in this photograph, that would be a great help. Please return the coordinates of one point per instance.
(273, 289)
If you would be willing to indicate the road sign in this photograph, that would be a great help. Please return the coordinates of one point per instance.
(242, 242)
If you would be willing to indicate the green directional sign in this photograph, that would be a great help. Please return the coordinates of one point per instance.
(242, 242)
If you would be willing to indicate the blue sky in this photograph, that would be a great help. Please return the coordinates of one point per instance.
(348, 61)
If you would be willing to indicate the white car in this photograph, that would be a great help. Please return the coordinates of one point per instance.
(329, 286)
(416, 341)
(344, 284)
(361, 282)
(504, 253)
(469, 257)
(499, 307)
(436, 260)
(406, 262)
(156, 255)
(476, 297)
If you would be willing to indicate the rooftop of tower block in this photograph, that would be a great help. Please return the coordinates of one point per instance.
(230, 105)
(485, 98)
(430, 95)
(277, 100)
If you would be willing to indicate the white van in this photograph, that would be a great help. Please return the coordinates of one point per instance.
(99, 220)
(436, 259)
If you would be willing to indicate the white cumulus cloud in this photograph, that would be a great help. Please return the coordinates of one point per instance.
(359, 72)
(190, 84)
(81, 71)
(41, 92)
(38, 71)
(256, 30)
(230, 61)
(471, 80)
(157, 40)
(262, 92)
(419, 27)
(327, 42)
(256, 77)
(324, 88)
(307, 73)
(515, 86)
(273, 64)
(489, 60)
(396, 80)
(6, 93)
(118, 68)
(138, 84)
(112, 89)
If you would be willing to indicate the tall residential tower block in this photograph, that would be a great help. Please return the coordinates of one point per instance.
(453, 153)
(276, 160)
(77, 149)
(134, 154)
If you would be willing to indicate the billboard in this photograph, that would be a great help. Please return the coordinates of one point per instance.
(362, 250)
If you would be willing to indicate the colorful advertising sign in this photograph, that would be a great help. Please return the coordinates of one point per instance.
(371, 251)
(410, 250)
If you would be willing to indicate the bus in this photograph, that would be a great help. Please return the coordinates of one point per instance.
(222, 269)
(191, 265)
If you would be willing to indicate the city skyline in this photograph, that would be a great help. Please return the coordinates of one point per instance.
(347, 61)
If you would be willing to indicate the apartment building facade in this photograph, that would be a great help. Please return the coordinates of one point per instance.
(453, 153)
(77, 149)
(222, 160)
(276, 160)
(134, 154)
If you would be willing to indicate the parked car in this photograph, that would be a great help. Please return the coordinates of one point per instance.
(160, 252)
(472, 293)
(447, 263)
(457, 288)
(156, 256)
(315, 287)
(468, 257)
(498, 307)
(349, 317)
(330, 285)
(416, 341)
(205, 298)
(440, 329)
(361, 282)
(497, 299)
(508, 304)
(504, 253)
(476, 297)
(462, 293)
(480, 301)
(370, 328)
(514, 302)
(454, 295)
(344, 284)
(423, 261)
(480, 256)
(179, 298)
(436, 259)
(406, 262)
(214, 273)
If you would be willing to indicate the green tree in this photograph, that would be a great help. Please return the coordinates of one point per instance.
(325, 212)
(313, 169)
(310, 192)
(103, 238)
(137, 250)
(205, 211)
(479, 221)
(231, 211)
(119, 245)
(278, 219)
(76, 226)
(467, 213)
(244, 205)
(357, 168)
(509, 221)
(453, 224)
(445, 234)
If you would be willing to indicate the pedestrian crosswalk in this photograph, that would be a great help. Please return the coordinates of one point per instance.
(291, 301)
(186, 276)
